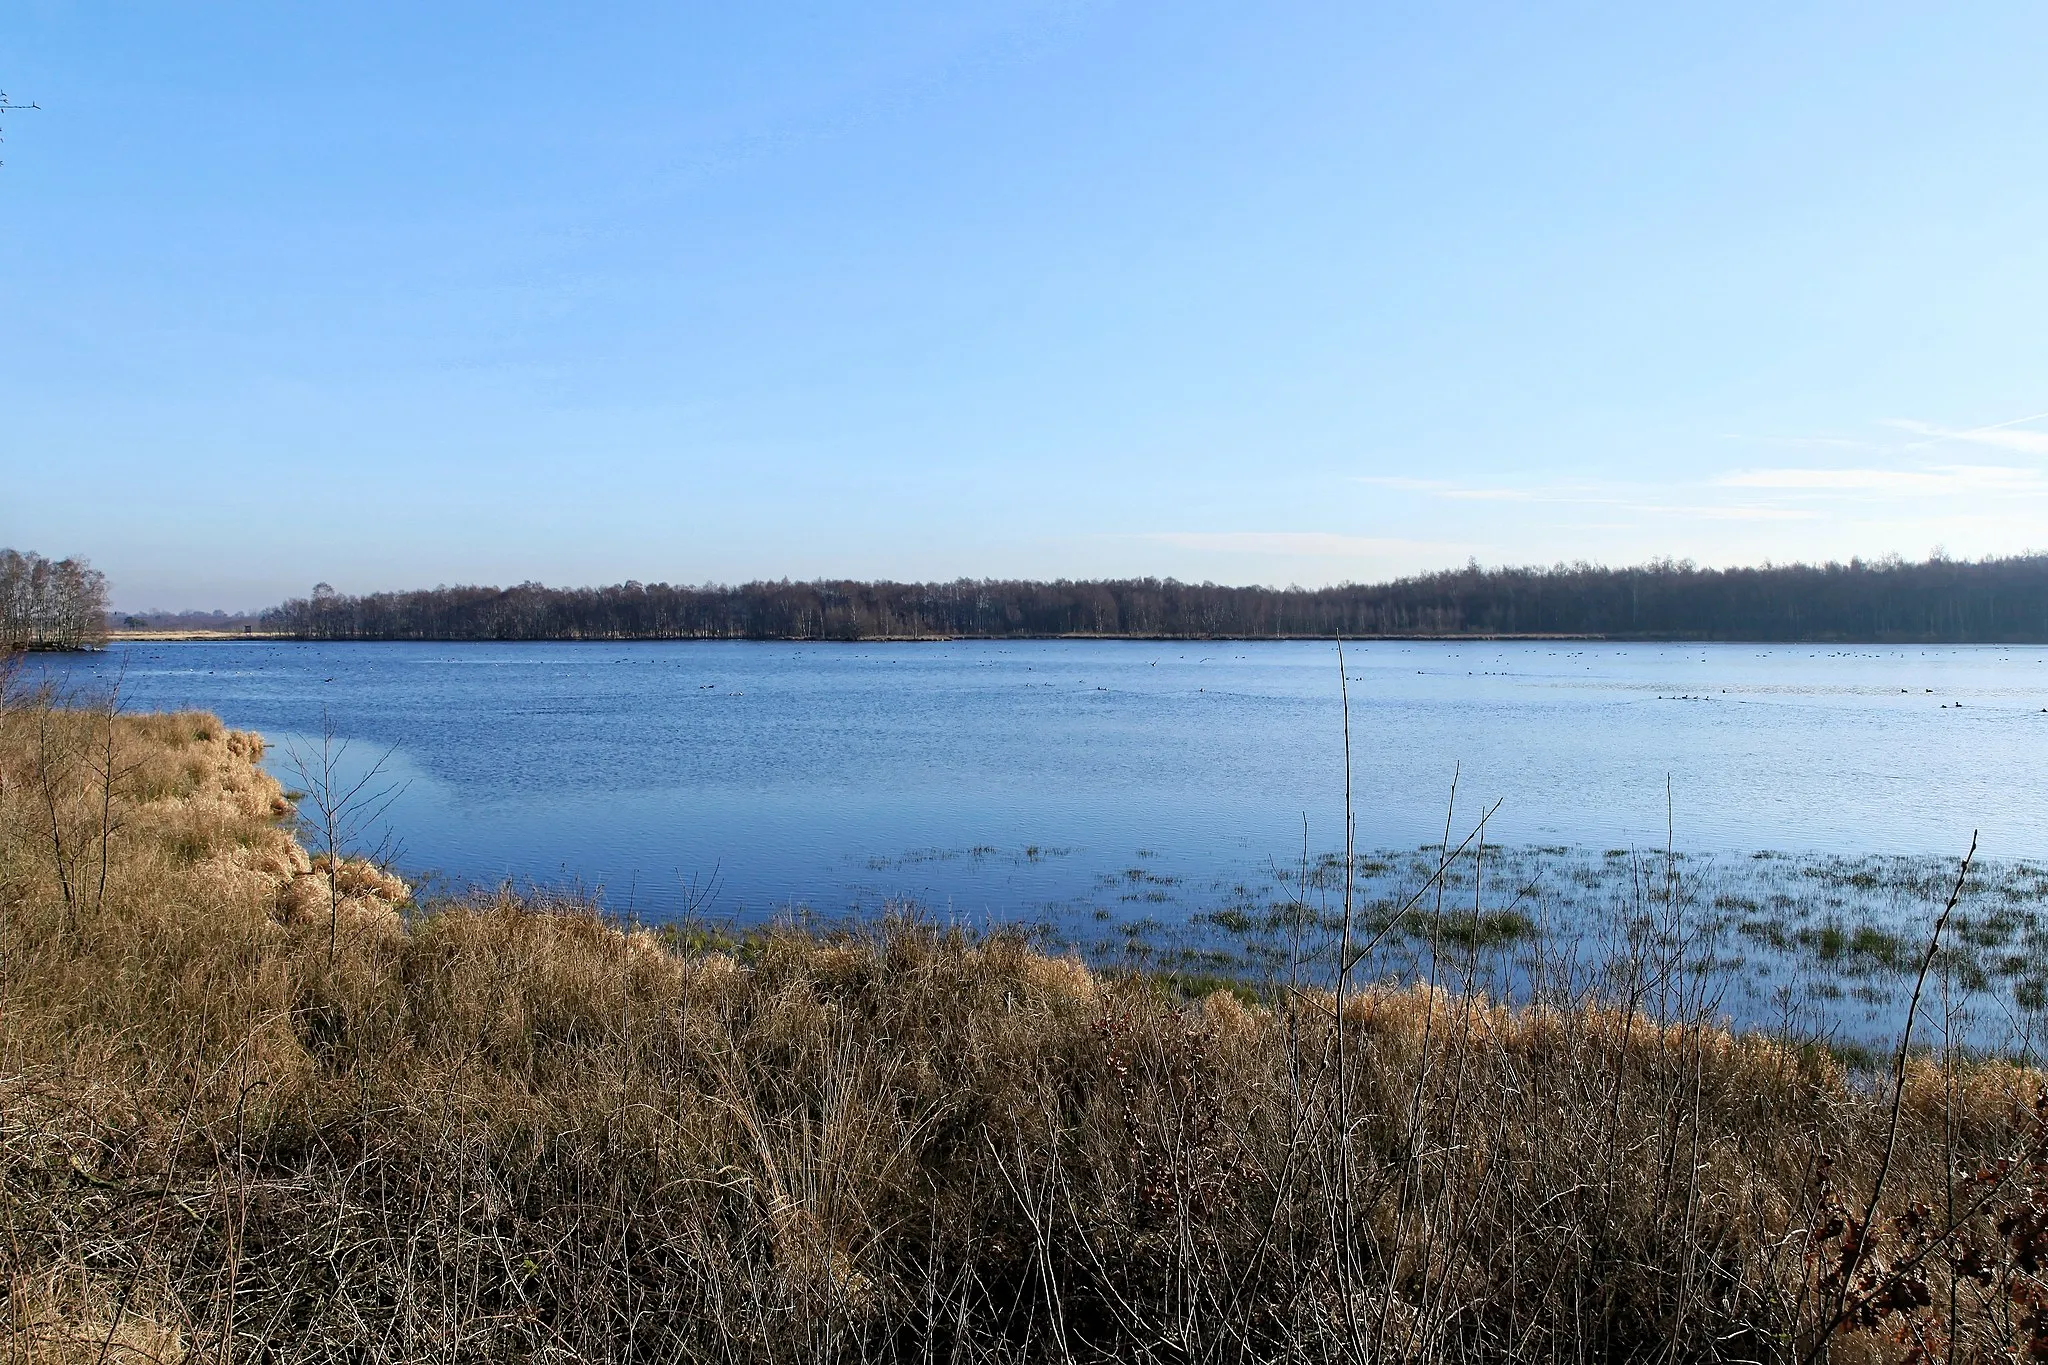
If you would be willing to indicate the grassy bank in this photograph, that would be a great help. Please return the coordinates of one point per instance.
(255, 1107)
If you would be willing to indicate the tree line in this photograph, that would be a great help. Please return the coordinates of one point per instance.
(225, 622)
(50, 604)
(1938, 601)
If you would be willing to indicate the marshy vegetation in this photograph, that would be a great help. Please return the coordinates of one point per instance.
(257, 1105)
(1807, 945)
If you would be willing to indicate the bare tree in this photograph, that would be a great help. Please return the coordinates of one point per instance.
(51, 604)
(346, 809)
(75, 768)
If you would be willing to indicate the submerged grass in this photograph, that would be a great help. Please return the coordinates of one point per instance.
(1833, 940)
(251, 1107)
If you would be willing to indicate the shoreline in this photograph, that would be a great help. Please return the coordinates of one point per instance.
(126, 636)
(131, 636)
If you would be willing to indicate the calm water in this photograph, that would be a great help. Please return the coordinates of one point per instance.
(1061, 779)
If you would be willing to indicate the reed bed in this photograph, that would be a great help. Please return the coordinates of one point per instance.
(256, 1105)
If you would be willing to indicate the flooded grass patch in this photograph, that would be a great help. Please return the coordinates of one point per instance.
(1828, 940)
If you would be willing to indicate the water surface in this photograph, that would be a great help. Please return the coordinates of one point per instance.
(1073, 778)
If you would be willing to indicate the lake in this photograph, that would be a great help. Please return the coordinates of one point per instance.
(1019, 779)
(1163, 803)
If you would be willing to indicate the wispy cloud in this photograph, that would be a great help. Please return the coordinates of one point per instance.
(2000, 435)
(1710, 511)
(1405, 485)
(1787, 493)
(1931, 480)
(1570, 493)
(1808, 442)
(1315, 544)
(1508, 495)
(1903, 482)
(1832, 480)
(2010, 434)
(1642, 499)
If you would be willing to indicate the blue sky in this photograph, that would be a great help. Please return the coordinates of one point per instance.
(391, 295)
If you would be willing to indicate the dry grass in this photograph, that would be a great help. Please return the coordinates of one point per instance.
(512, 1130)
